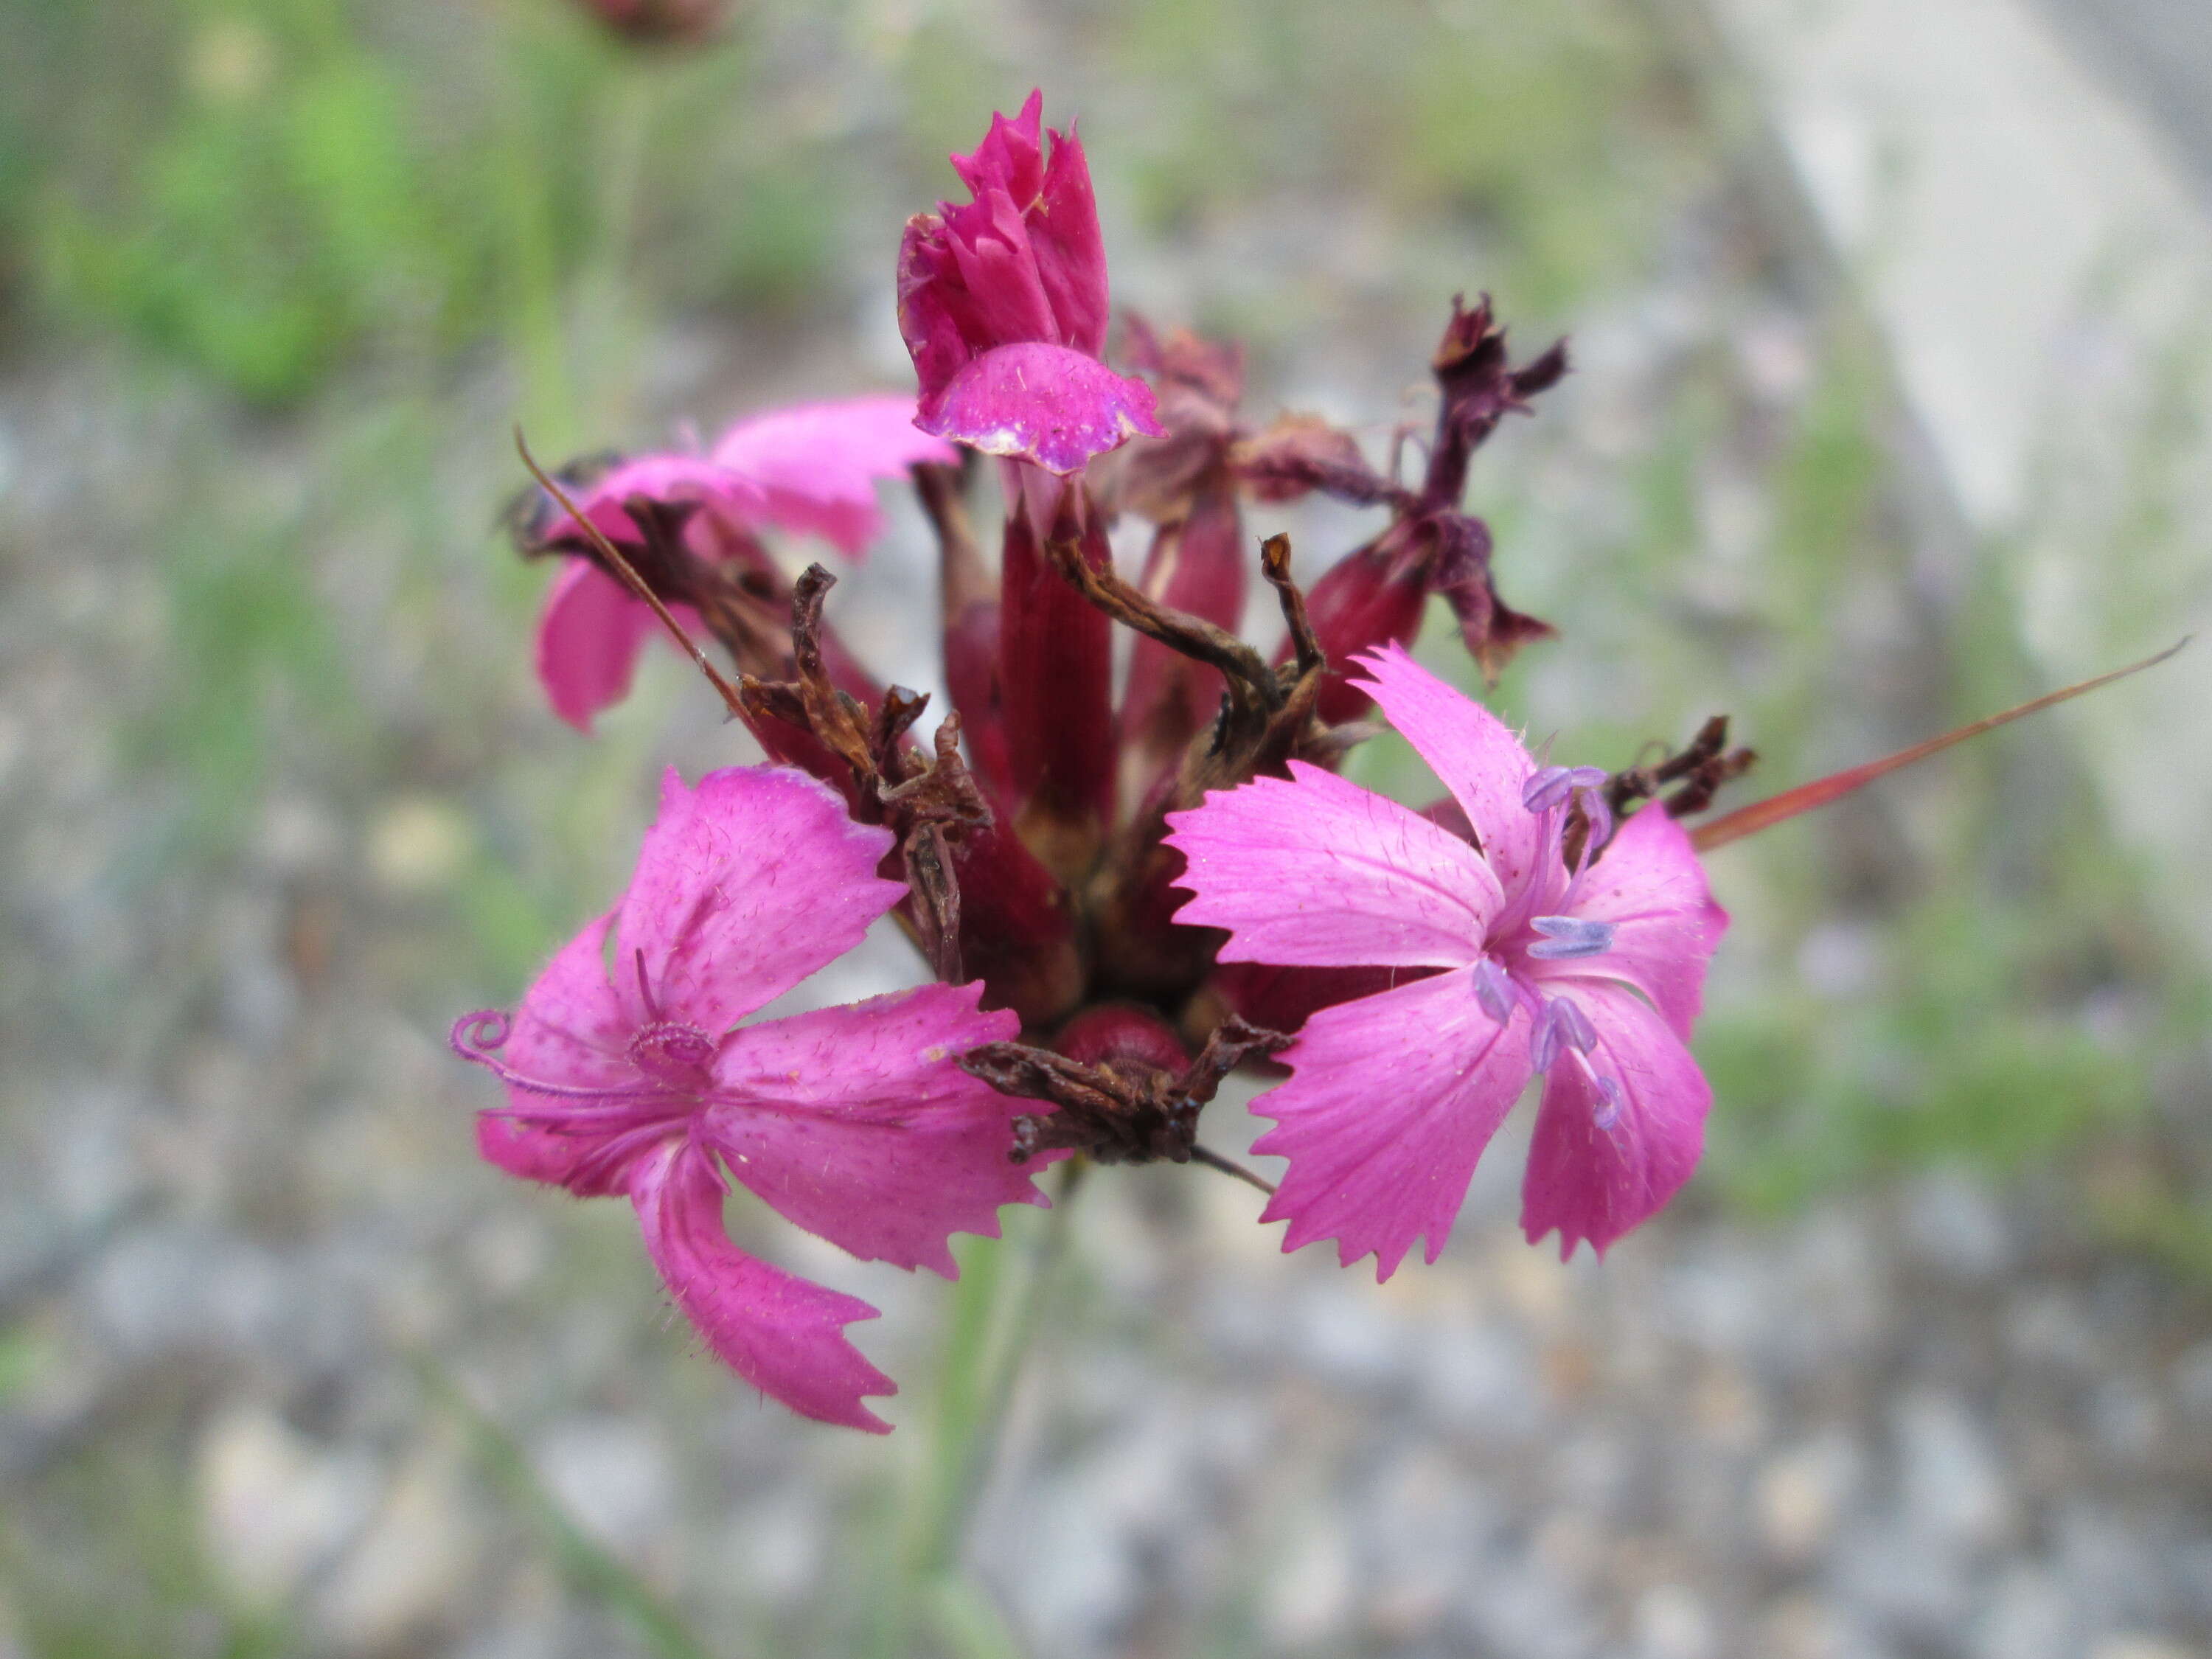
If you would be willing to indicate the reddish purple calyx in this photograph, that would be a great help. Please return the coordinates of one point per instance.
(811, 469)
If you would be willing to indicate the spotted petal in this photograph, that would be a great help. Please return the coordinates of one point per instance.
(782, 1334)
(1390, 1102)
(1321, 873)
(1597, 1168)
(745, 886)
(858, 1124)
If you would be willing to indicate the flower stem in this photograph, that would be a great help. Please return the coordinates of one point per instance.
(997, 1315)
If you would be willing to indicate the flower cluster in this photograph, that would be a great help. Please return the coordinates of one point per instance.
(1121, 899)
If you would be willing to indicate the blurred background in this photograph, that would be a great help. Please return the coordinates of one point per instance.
(1890, 408)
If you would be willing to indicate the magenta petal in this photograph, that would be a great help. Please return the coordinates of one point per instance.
(938, 320)
(1471, 750)
(569, 1032)
(816, 465)
(1011, 155)
(1593, 1178)
(997, 271)
(745, 886)
(588, 638)
(671, 476)
(782, 1334)
(1055, 222)
(1042, 404)
(858, 1124)
(589, 635)
(1649, 887)
(1390, 1102)
(1321, 873)
(1070, 252)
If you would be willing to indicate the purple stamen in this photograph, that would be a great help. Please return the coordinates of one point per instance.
(1563, 1024)
(674, 1051)
(1552, 785)
(1544, 1046)
(475, 1037)
(1569, 939)
(1608, 1114)
(1494, 989)
(1574, 1027)
(1601, 824)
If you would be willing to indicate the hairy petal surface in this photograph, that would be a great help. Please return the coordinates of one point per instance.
(816, 465)
(1471, 751)
(781, 1334)
(1597, 1168)
(1318, 873)
(746, 885)
(1391, 1100)
(1046, 405)
(1651, 889)
(858, 1124)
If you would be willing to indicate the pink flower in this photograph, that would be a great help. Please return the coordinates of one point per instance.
(811, 470)
(1590, 974)
(627, 1071)
(1003, 304)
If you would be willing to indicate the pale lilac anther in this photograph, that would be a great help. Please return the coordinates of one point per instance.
(1591, 973)
(1552, 785)
(1570, 938)
(1575, 1027)
(1494, 989)
(1601, 824)
(1608, 1112)
(1563, 1024)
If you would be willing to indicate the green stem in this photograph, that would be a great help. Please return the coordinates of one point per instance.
(996, 1318)
(532, 272)
(1020, 1340)
(624, 140)
(591, 1571)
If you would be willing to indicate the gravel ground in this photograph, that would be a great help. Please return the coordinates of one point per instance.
(248, 1264)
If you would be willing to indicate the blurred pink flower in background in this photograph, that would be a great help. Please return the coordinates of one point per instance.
(812, 470)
